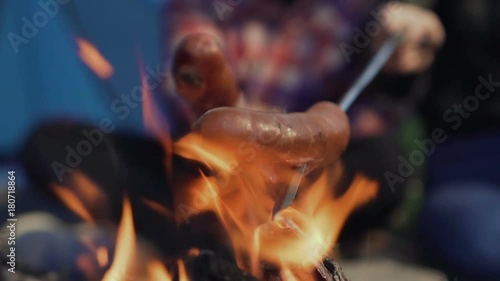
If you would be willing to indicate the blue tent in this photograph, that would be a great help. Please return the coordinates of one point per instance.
(42, 76)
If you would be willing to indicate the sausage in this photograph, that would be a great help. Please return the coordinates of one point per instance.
(316, 137)
(202, 75)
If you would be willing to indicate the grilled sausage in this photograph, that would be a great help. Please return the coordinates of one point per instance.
(316, 137)
(202, 75)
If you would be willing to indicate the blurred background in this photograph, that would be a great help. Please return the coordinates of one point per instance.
(426, 128)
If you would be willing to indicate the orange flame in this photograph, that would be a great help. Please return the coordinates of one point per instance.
(158, 272)
(300, 236)
(182, 271)
(72, 201)
(125, 265)
(82, 196)
(93, 59)
(86, 188)
(194, 147)
(102, 256)
(125, 247)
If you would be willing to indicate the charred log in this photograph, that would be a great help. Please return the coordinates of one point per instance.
(328, 270)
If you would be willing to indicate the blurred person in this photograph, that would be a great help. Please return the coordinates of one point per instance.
(460, 220)
(291, 54)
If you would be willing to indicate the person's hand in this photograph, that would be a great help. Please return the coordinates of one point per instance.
(423, 33)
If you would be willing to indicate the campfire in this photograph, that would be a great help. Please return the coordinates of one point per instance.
(236, 164)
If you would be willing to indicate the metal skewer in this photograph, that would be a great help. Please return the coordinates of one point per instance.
(371, 70)
(291, 192)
